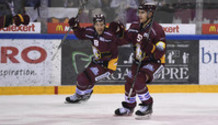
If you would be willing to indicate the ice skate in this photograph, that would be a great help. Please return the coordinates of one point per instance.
(144, 112)
(76, 98)
(125, 110)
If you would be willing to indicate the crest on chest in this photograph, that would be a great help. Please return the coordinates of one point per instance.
(96, 43)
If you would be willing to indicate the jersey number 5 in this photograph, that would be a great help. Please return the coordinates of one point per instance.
(139, 37)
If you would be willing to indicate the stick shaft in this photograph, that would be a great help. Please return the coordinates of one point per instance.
(65, 36)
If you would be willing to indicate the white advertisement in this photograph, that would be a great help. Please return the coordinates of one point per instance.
(175, 29)
(208, 62)
(31, 28)
(28, 63)
(179, 28)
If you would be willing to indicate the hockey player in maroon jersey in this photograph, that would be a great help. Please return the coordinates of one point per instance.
(150, 49)
(105, 59)
(18, 19)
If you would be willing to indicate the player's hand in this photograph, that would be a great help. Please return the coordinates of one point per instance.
(73, 22)
(117, 28)
(146, 45)
(21, 19)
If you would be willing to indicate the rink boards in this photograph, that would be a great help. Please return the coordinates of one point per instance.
(26, 66)
(106, 89)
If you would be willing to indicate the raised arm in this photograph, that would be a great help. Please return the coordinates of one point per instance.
(118, 29)
(81, 33)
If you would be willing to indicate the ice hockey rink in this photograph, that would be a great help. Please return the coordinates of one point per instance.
(169, 109)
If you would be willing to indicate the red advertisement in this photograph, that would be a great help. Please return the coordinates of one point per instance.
(61, 28)
(209, 28)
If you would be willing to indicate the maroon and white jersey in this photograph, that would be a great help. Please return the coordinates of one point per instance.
(136, 34)
(104, 46)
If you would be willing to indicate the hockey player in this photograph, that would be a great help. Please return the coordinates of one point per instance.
(149, 48)
(105, 56)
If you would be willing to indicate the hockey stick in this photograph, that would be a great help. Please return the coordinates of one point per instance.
(65, 36)
(140, 60)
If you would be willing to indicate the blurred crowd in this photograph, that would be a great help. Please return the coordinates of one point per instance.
(170, 11)
(14, 7)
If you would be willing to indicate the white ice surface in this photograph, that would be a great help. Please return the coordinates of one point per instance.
(169, 109)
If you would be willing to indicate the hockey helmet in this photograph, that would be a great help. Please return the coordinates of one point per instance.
(147, 7)
(98, 18)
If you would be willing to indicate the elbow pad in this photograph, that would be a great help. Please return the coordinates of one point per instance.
(112, 64)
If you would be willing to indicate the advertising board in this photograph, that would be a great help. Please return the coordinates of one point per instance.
(176, 29)
(179, 28)
(208, 59)
(60, 28)
(181, 63)
(209, 28)
(28, 63)
(31, 28)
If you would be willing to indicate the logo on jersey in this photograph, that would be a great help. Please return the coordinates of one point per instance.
(146, 35)
(96, 53)
(138, 52)
(95, 70)
(96, 43)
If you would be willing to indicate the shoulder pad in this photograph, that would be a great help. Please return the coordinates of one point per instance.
(157, 27)
(89, 32)
(155, 24)
(90, 28)
(108, 36)
(134, 27)
(106, 33)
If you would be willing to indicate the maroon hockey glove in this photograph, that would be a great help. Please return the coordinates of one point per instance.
(5, 21)
(117, 28)
(73, 22)
(21, 19)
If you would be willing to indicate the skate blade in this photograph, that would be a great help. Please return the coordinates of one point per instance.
(145, 117)
(79, 102)
(129, 115)
(71, 102)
